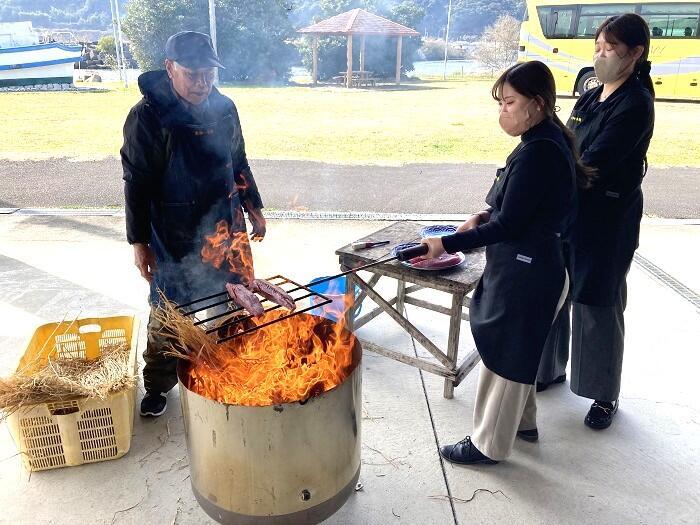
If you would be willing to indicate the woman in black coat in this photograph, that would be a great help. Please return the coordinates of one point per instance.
(613, 125)
(525, 280)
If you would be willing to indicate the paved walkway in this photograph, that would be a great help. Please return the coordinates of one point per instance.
(644, 469)
(288, 184)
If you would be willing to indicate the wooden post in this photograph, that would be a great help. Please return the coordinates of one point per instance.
(400, 296)
(362, 53)
(398, 60)
(349, 300)
(348, 79)
(314, 65)
(212, 34)
(453, 340)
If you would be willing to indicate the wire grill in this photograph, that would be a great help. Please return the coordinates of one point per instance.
(235, 321)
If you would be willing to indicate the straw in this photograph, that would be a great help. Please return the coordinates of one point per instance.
(68, 378)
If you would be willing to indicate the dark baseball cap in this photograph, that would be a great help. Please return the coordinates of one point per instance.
(192, 50)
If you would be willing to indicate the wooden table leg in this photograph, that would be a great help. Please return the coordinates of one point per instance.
(350, 295)
(400, 295)
(453, 340)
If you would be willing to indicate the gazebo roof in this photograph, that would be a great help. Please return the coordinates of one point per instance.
(359, 22)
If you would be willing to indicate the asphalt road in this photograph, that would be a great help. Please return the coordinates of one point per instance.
(317, 186)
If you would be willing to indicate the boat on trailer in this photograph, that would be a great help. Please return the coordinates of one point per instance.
(27, 60)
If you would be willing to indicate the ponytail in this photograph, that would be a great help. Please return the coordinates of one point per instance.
(585, 175)
(643, 71)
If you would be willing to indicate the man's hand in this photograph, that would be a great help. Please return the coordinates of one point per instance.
(258, 221)
(474, 221)
(435, 247)
(145, 260)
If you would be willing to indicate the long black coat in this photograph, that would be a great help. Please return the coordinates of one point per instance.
(613, 137)
(531, 202)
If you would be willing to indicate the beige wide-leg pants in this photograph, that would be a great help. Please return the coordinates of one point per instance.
(502, 407)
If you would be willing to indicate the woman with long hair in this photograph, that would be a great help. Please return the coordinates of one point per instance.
(525, 280)
(613, 125)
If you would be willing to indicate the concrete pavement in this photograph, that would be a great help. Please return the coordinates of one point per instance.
(644, 469)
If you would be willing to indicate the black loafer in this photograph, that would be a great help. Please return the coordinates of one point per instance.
(601, 414)
(465, 453)
(541, 387)
(529, 435)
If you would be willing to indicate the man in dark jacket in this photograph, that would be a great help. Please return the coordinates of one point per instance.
(185, 171)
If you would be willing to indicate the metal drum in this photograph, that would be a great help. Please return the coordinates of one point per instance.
(290, 463)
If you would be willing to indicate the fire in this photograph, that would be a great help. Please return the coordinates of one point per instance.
(232, 247)
(290, 360)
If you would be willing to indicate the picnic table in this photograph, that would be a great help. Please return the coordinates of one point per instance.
(456, 282)
(359, 78)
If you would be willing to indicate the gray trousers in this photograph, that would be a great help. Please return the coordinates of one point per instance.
(597, 335)
(160, 370)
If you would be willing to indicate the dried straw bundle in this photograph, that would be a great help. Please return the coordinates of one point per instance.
(62, 379)
(187, 341)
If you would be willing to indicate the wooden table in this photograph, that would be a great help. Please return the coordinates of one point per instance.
(359, 78)
(457, 282)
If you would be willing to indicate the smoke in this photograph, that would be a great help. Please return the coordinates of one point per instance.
(194, 278)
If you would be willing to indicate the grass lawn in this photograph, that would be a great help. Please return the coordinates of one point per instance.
(431, 122)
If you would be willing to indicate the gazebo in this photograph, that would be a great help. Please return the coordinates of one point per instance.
(362, 23)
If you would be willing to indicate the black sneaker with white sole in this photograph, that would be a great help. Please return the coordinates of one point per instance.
(153, 404)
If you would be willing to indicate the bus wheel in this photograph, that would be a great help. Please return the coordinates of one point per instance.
(587, 82)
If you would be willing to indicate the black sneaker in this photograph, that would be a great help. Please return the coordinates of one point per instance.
(529, 435)
(601, 414)
(465, 453)
(153, 404)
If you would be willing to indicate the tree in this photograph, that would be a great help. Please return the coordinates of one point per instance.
(469, 17)
(497, 48)
(252, 36)
(106, 46)
(107, 50)
(71, 14)
(380, 51)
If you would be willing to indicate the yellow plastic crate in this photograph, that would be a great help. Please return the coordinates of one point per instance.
(75, 431)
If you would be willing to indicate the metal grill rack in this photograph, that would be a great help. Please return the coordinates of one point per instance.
(225, 307)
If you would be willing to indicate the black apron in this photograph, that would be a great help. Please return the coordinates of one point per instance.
(516, 298)
(605, 233)
(196, 191)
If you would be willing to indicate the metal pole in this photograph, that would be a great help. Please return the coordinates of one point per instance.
(212, 34)
(121, 41)
(116, 40)
(447, 36)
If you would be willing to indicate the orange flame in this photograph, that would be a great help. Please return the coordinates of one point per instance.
(241, 181)
(232, 247)
(291, 360)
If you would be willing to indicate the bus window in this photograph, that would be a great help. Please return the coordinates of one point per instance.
(556, 21)
(672, 20)
(593, 15)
